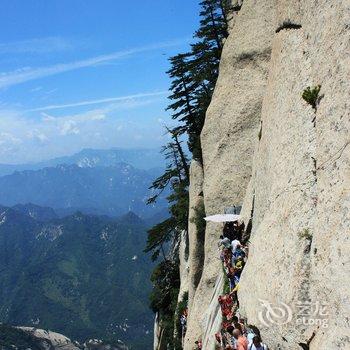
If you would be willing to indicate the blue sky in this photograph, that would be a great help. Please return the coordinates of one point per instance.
(86, 73)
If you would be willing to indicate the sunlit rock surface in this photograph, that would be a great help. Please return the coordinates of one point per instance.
(287, 163)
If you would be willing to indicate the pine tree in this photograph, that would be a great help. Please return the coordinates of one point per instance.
(158, 236)
(175, 177)
(194, 74)
(213, 24)
(193, 78)
(182, 88)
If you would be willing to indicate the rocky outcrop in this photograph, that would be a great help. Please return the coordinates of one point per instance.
(288, 164)
(229, 136)
(50, 340)
(196, 248)
(31, 338)
(158, 343)
(183, 265)
(196, 238)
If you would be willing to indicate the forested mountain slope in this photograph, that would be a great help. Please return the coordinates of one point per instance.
(83, 276)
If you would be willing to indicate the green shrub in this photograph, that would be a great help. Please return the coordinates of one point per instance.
(305, 234)
(310, 95)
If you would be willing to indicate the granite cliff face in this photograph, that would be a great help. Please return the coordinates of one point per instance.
(287, 163)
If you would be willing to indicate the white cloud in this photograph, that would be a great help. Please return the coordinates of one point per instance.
(50, 92)
(36, 46)
(8, 138)
(27, 74)
(38, 88)
(69, 127)
(47, 118)
(37, 136)
(128, 98)
(29, 136)
(9, 144)
(98, 117)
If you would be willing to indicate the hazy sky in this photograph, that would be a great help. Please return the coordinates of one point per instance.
(86, 73)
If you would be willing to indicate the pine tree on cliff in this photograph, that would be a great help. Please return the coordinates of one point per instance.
(176, 176)
(213, 24)
(183, 96)
(194, 74)
(182, 88)
(193, 78)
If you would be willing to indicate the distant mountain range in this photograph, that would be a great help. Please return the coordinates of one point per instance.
(139, 158)
(83, 276)
(108, 190)
(71, 260)
(35, 211)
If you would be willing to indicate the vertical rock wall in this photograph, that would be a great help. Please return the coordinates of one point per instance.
(196, 238)
(264, 146)
(301, 181)
(228, 139)
(183, 265)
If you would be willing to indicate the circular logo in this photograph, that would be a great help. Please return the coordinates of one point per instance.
(271, 314)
